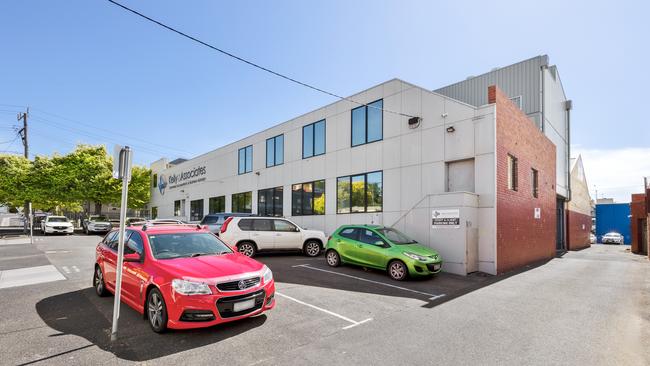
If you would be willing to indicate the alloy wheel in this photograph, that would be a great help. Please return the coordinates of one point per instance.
(397, 271)
(333, 258)
(155, 310)
(246, 249)
(312, 249)
(98, 282)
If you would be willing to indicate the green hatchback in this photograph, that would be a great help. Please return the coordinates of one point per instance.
(382, 248)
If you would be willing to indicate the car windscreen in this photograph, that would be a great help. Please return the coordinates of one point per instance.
(183, 245)
(396, 236)
(99, 218)
(57, 219)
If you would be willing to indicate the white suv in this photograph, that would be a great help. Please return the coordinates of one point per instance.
(253, 234)
(56, 224)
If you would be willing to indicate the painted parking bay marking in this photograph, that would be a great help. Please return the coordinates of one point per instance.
(29, 276)
(353, 323)
(432, 296)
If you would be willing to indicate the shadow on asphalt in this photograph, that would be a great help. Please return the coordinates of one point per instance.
(316, 273)
(83, 314)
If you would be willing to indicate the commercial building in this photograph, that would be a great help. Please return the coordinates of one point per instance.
(535, 86)
(579, 210)
(640, 217)
(476, 182)
(613, 217)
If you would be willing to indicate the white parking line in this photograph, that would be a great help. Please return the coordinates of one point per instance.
(353, 322)
(65, 269)
(74, 268)
(432, 296)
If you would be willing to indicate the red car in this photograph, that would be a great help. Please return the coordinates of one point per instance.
(182, 276)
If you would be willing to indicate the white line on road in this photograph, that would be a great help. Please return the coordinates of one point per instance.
(353, 322)
(433, 297)
(65, 269)
(74, 268)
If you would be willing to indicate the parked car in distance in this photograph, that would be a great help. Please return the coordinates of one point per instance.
(130, 220)
(115, 222)
(255, 234)
(215, 220)
(592, 238)
(183, 277)
(381, 248)
(96, 224)
(56, 225)
(612, 238)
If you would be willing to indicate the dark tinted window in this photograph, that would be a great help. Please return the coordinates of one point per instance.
(308, 198)
(262, 225)
(217, 204)
(245, 160)
(275, 151)
(350, 233)
(242, 202)
(208, 220)
(246, 224)
(367, 123)
(370, 237)
(113, 239)
(134, 244)
(313, 139)
(269, 201)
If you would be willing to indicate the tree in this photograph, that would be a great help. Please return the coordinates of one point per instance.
(14, 170)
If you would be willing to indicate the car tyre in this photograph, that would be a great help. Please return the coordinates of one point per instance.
(247, 248)
(98, 282)
(156, 311)
(333, 258)
(311, 248)
(397, 270)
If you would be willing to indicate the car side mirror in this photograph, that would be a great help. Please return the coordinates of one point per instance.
(297, 229)
(132, 257)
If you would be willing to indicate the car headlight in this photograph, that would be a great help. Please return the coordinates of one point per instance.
(416, 257)
(184, 287)
(267, 274)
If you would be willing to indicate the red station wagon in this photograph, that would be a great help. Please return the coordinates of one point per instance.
(182, 276)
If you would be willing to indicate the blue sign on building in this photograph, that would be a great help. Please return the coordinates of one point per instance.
(613, 217)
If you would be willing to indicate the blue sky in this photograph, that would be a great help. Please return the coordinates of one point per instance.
(94, 73)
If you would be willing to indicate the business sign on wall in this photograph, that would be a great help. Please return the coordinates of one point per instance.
(445, 218)
(192, 176)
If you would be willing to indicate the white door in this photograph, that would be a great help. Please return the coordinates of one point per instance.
(262, 233)
(460, 176)
(286, 236)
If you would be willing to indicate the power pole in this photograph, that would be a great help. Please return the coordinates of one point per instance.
(23, 134)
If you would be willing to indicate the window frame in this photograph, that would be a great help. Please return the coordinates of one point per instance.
(302, 198)
(232, 199)
(274, 140)
(534, 182)
(366, 106)
(513, 172)
(201, 203)
(245, 167)
(313, 138)
(365, 192)
(155, 180)
(215, 198)
(177, 212)
(274, 191)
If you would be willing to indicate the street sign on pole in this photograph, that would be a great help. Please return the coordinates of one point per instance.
(121, 170)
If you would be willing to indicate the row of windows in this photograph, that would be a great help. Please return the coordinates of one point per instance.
(356, 193)
(366, 124)
(513, 176)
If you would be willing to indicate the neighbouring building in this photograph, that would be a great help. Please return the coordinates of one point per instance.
(579, 210)
(475, 182)
(640, 216)
(535, 87)
(613, 217)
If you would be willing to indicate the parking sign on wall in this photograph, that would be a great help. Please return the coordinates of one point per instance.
(449, 218)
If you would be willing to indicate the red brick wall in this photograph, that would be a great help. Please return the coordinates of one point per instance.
(579, 227)
(522, 239)
(638, 210)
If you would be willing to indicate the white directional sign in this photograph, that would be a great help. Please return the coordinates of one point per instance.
(448, 218)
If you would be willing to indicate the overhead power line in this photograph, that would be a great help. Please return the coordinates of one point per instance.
(251, 63)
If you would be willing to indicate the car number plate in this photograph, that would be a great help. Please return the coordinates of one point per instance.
(243, 305)
(436, 267)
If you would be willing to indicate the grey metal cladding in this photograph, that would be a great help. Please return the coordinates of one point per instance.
(522, 78)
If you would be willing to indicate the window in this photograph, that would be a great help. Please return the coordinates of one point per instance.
(246, 224)
(112, 240)
(217, 204)
(283, 225)
(196, 210)
(242, 202)
(154, 180)
(534, 177)
(367, 123)
(263, 225)
(154, 213)
(370, 237)
(308, 198)
(359, 193)
(245, 160)
(177, 208)
(512, 173)
(350, 233)
(313, 139)
(517, 101)
(275, 151)
(134, 243)
(269, 201)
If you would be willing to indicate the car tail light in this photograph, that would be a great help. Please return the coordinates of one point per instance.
(224, 226)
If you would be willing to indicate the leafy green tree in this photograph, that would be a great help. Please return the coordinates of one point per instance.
(14, 171)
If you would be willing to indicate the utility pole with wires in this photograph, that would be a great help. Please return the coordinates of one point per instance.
(23, 134)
